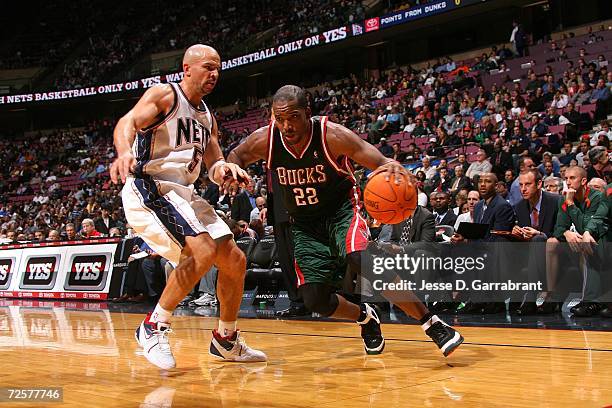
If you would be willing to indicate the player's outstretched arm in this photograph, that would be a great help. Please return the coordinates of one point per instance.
(342, 141)
(154, 104)
(254, 148)
(219, 171)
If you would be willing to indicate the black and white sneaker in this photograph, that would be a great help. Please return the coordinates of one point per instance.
(234, 348)
(446, 338)
(373, 340)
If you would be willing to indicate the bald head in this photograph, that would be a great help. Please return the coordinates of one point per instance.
(198, 52)
(201, 66)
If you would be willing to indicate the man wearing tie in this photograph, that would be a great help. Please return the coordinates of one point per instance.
(536, 216)
(493, 210)
(460, 180)
(439, 202)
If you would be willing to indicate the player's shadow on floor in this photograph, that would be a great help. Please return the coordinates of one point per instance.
(464, 356)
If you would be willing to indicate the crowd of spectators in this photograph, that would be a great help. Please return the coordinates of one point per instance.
(52, 32)
(228, 28)
(63, 177)
(471, 134)
(104, 49)
(136, 28)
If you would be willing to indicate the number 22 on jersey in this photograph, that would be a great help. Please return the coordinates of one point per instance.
(305, 196)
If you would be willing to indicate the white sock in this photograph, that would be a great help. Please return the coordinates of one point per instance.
(160, 315)
(227, 329)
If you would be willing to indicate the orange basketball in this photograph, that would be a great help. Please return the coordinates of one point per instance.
(388, 202)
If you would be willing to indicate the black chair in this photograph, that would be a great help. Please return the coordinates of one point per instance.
(259, 271)
(246, 245)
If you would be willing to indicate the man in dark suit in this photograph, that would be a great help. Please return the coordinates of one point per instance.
(500, 159)
(493, 210)
(460, 180)
(104, 222)
(418, 228)
(415, 237)
(442, 181)
(211, 191)
(536, 216)
(244, 203)
(443, 215)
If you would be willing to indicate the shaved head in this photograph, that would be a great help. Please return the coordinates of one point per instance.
(201, 67)
(197, 52)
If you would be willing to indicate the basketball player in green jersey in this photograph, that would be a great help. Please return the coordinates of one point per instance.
(310, 157)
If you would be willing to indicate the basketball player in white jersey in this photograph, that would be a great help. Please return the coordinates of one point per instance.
(161, 144)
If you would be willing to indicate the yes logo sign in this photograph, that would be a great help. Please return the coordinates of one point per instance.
(6, 267)
(40, 272)
(87, 272)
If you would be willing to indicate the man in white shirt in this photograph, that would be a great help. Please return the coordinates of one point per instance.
(480, 166)
(260, 205)
(429, 170)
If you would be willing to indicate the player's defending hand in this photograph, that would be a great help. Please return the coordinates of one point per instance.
(395, 170)
(230, 173)
(122, 166)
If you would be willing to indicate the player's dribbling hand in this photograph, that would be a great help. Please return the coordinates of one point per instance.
(394, 171)
(121, 167)
(229, 173)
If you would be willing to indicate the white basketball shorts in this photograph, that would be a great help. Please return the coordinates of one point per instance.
(163, 213)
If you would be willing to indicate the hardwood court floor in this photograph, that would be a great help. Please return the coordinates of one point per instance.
(93, 355)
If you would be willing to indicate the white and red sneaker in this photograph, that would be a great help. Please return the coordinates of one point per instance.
(153, 338)
(234, 348)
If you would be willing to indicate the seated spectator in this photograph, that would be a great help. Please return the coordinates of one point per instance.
(53, 235)
(442, 181)
(586, 210)
(460, 201)
(472, 198)
(560, 99)
(244, 203)
(460, 181)
(597, 184)
(443, 215)
(601, 97)
(39, 236)
(536, 101)
(384, 148)
(429, 170)
(501, 160)
(502, 189)
(480, 166)
(260, 206)
(398, 154)
(104, 222)
(434, 151)
(600, 164)
(70, 233)
(553, 185)
(115, 232)
(551, 118)
(583, 151)
(88, 229)
(583, 96)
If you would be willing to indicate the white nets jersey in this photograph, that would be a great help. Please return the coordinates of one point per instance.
(171, 149)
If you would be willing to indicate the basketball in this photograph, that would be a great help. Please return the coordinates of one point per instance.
(388, 202)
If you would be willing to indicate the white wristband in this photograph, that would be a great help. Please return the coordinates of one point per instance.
(211, 171)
